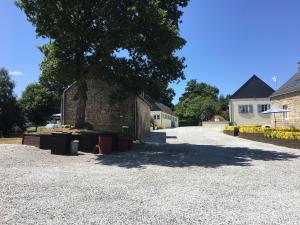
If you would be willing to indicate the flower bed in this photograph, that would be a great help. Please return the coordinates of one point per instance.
(231, 130)
(279, 136)
(251, 129)
(260, 137)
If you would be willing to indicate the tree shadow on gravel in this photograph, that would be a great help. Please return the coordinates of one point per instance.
(187, 155)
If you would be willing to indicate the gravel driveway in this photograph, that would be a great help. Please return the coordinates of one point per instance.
(182, 176)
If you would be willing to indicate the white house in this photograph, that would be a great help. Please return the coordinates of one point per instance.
(248, 102)
(163, 116)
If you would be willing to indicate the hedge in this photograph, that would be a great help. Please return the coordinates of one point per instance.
(275, 133)
(252, 129)
(288, 135)
(231, 128)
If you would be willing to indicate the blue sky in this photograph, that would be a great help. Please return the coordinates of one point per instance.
(227, 42)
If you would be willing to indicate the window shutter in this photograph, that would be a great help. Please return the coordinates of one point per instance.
(269, 106)
(259, 108)
(240, 109)
(250, 108)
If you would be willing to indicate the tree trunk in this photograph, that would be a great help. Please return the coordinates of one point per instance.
(81, 104)
(36, 127)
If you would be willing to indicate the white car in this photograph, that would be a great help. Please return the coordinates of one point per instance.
(52, 125)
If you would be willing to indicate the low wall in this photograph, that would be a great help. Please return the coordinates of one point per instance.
(275, 141)
(42, 141)
(231, 133)
(87, 140)
(215, 124)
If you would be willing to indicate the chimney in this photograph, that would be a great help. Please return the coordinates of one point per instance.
(298, 66)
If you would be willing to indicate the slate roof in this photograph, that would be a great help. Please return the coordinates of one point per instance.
(253, 88)
(157, 106)
(290, 86)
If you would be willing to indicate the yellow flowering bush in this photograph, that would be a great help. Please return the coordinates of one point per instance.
(276, 133)
(252, 129)
(231, 128)
(288, 135)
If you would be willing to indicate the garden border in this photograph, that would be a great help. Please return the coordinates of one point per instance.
(259, 137)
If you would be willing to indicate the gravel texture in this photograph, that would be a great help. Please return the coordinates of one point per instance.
(185, 176)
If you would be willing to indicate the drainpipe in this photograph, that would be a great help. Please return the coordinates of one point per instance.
(135, 119)
(230, 112)
(62, 109)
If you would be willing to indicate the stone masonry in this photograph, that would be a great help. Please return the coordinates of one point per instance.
(105, 115)
(292, 101)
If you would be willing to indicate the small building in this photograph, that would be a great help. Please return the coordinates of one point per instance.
(288, 97)
(105, 115)
(249, 101)
(163, 115)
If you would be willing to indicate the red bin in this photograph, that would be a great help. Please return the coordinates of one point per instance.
(123, 144)
(105, 144)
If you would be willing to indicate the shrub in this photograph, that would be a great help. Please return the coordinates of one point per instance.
(288, 135)
(231, 128)
(188, 122)
(252, 129)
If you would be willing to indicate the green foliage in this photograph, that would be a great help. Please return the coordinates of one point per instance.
(194, 89)
(37, 103)
(129, 43)
(202, 108)
(55, 75)
(52, 69)
(166, 97)
(152, 123)
(224, 109)
(188, 122)
(288, 135)
(10, 113)
(200, 102)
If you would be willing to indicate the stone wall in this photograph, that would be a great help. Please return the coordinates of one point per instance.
(103, 114)
(292, 100)
(143, 115)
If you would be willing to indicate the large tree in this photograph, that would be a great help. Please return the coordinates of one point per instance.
(37, 103)
(200, 102)
(166, 97)
(224, 106)
(89, 38)
(10, 113)
(51, 70)
(194, 89)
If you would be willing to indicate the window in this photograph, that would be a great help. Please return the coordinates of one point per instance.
(263, 108)
(285, 114)
(154, 117)
(245, 108)
(158, 117)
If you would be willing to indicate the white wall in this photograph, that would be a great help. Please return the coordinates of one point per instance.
(165, 120)
(254, 118)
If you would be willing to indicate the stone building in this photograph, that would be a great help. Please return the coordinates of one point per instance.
(105, 115)
(288, 97)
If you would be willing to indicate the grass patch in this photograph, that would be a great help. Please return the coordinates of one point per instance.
(11, 141)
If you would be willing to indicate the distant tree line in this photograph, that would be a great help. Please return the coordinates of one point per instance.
(201, 102)
(36, 105)
(10, 111)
